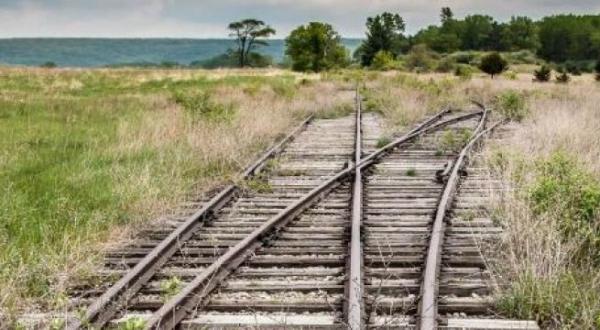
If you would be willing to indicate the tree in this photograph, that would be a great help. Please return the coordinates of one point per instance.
(521, 33)
(446, 15)
(493, 64)
(384, 33)
(597, 69)
(476, 31)
(249, 33)
(315, 47)
(543, 74)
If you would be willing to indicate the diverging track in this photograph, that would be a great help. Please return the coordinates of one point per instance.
(339, 235)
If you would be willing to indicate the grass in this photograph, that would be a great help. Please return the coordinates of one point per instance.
(383, 141)
(551, 207)
(88, 156)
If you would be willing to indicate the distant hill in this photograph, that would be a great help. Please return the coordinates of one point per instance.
(73, 52)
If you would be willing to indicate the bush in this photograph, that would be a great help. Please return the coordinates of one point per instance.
(568, 193)
(543, 74)
(534, 297)
(420, 58)
(511, 104)
(493, 64)
(447, 64)
(522, 57)
(382, 142)
(510, 75)
(563, 78)
(383, 60)
(464, 71)
(464, 57)
(199, 105)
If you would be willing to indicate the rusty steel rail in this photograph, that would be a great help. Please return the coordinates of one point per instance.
(427, 309)
(354, 303)
(106, 306)
(192, 296)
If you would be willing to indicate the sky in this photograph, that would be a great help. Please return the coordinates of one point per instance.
(209, 18)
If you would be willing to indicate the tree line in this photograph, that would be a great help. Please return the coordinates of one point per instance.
(317, 46)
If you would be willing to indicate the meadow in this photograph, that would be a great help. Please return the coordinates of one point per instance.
(90, 156)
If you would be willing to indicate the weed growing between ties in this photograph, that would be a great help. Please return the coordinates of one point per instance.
(383, 141)
(133, 323)
(452, 140)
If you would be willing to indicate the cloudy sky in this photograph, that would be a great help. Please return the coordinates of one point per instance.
(208, 18)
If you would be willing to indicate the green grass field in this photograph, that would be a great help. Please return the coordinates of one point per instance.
(87, 154)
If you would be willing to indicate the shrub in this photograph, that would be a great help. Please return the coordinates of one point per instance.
(511, 104)
(463, 71)
(511, 75)
(493, 64)
(200, 105)
(454, 140)
(170, 287)
(420, 58)
(534, 297)
(447, 64)
(543, 74)
(383, 141)
(383, 60)
(464, 57)
(566, 192)
(133, 323)
(563, 78)
(522, 57)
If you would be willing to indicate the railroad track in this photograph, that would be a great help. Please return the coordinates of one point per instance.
(342, 234)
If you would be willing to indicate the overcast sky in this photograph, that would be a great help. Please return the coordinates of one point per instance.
(208, 18)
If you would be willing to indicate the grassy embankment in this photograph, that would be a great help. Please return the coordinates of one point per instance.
(87, 156)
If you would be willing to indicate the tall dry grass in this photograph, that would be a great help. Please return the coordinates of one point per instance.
(120, 138)
(548, 163)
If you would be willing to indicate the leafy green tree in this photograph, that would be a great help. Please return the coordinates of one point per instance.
(493, 64)
(249, 34)
(476, 31)
(569, 37)
(446, 15)
(315, 47)
(494, 40)
(385, 32)
(521, 33)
